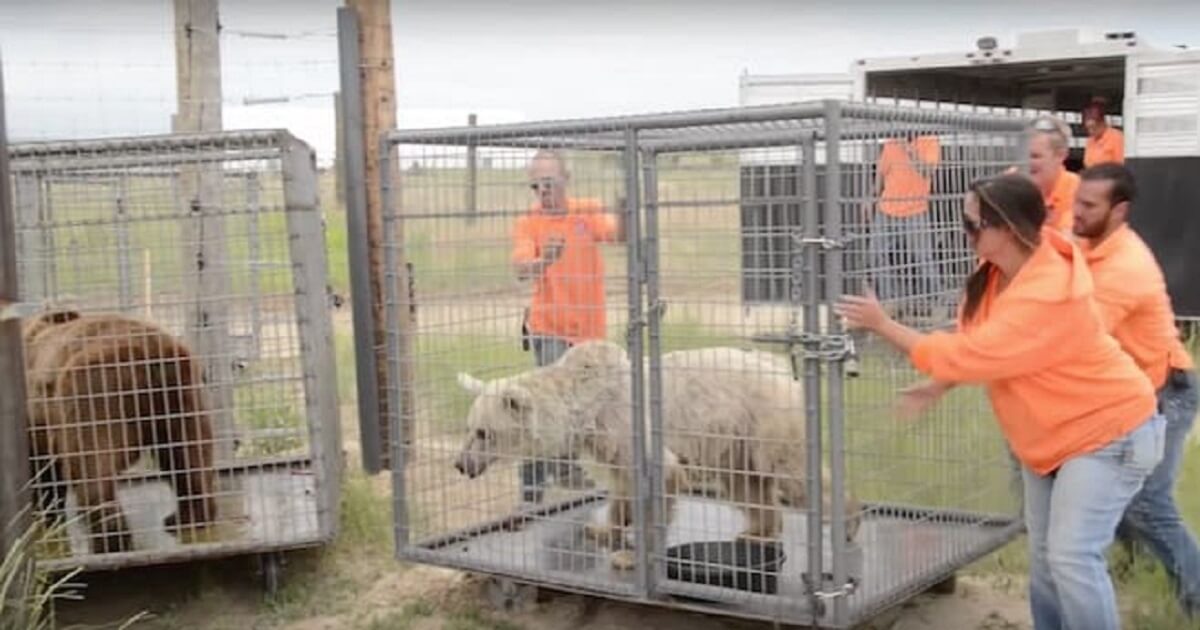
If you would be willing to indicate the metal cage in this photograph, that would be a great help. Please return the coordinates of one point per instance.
(181, 399)
(740, 444)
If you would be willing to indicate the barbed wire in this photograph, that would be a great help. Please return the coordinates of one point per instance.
(224, 31)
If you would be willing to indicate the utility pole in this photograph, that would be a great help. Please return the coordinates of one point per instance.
(377, 81)
(198, 95)
(197, 66)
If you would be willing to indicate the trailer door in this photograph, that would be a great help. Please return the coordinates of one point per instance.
(1162, 145)
(1162, 104)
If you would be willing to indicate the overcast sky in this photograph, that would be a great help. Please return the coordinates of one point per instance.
(81, 68)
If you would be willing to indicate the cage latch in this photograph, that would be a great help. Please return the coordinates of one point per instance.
(823, 242)
(806, 345)
(19, 310)
(845, 590)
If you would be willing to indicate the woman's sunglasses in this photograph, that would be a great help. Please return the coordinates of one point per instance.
(973, 227)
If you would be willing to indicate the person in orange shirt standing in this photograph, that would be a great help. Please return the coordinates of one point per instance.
(1104, 143)
(1074, 408)
(1134, 303)
(556, 247)
(901, 233)
(1049, 143)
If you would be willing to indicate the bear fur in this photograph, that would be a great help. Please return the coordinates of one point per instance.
(101, 388)
(731, 418)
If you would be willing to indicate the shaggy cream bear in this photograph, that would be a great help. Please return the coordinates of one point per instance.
(732, 419)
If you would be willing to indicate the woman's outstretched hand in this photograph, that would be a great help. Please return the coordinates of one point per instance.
(862, 311)
(916, 400)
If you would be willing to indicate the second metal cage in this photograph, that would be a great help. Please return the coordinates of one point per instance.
(147, 258)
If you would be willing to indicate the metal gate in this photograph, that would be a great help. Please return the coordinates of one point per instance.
(202, 244)
(711, 439)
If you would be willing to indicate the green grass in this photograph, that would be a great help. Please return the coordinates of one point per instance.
(27, 593)
(87, 239)
(402, 619)
(951, 458)
(347, 367)
(473, 618)
(443, 357)
(366, 517)
(325, 581)
(337, 250)
(274, 410)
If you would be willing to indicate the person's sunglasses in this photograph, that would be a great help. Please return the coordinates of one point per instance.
(972, 227)
(1044, 124)
(546, 183)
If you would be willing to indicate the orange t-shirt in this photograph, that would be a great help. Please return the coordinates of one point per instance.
(1060, 203)
(1109, 148)
(905, 191)
(1059, 385)
(568, 298)
(1134, 304)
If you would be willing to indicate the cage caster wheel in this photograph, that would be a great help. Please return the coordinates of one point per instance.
(947, 586)
(270, 566)
(507, 595)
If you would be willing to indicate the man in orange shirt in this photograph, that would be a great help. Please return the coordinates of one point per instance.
(1049, 144)
(1136, 309)
(901, 233)
(556, 247)
(1104, 143)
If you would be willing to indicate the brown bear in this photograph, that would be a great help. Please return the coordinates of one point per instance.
(101, 388)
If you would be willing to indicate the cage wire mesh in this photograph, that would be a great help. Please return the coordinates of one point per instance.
(179, 350)
(712, 435)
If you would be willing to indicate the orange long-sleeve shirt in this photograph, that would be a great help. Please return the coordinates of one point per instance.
(1059, 385)
(1134, 304)
(905, 190)
(568, 298)
(1109, 148)
(1060, 202)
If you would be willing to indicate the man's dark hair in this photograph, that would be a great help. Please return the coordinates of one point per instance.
(1124, 188)
(1095, 109)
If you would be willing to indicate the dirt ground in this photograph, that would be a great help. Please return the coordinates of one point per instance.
(226, 594)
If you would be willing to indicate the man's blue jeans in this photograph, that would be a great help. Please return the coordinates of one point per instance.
(914, 277)
(1153, 518)
(1071, 516)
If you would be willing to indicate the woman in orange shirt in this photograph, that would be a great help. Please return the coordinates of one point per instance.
(1076, 410)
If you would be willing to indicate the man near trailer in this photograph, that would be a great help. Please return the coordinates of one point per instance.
(1104, 143)
(556, 247)
(1049, 144)
(901, 242)
(1133, 300)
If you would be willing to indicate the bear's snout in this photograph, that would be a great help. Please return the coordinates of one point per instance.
(469, 466)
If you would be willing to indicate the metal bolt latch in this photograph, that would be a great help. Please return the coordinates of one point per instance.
(19, 310)
(813, 346)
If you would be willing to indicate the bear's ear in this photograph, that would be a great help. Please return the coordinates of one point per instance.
(470, 383)
(517, 401)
